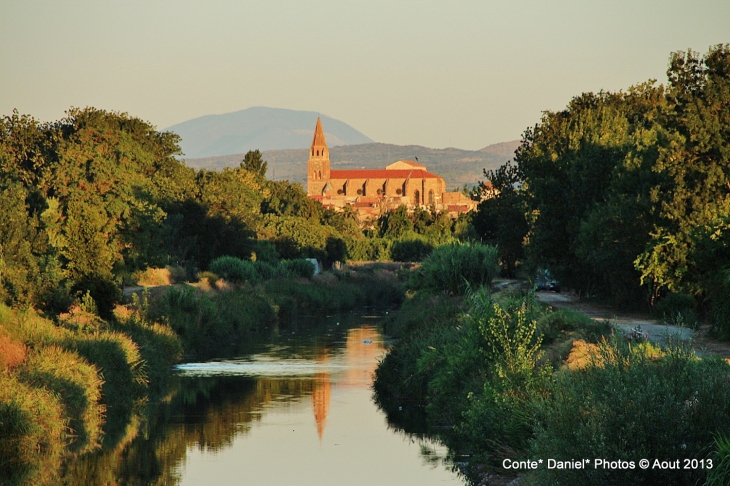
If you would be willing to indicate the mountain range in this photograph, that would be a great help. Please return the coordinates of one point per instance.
(456, 166)
(259, 128)
(284, 136)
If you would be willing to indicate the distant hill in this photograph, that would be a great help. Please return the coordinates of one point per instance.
(260, 128)
(456, 166)
(502, 149)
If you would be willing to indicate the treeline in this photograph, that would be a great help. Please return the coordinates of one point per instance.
(627, 195)
(97, 196)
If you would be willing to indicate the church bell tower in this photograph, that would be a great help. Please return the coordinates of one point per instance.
(318, 167)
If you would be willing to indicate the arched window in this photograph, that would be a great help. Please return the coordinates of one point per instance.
(416, 197)
(319, 175)
(430, 197)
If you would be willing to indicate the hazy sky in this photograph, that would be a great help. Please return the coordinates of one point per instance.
(435, 73)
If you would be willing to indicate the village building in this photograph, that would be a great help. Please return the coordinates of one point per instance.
(372, 191)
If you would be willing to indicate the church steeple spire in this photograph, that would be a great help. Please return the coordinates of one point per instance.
(318, 141)
(318, 167)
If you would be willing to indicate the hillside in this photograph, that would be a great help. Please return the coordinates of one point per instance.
(456, 166)
(260, 128)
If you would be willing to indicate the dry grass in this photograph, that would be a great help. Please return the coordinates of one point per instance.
(581, 355)
(154, 277)
(79, 319)
(12, 352)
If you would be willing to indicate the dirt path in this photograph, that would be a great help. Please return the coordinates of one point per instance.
(625, 322)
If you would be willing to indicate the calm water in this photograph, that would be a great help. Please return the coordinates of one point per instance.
(296, 410)
(308, 417)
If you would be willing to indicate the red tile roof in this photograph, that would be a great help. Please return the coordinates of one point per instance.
(382, 174)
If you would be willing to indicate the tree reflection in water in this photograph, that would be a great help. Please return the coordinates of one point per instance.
(208, 413)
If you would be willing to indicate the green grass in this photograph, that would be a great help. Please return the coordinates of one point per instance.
(77, 385)
(32, 430)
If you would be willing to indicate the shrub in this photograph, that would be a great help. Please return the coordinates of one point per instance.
(454, 268)
(265, 251)
(368, 249)
(105, 293)
(159, 346)
(412, 250)
(299, 268)
(264, 270)
(210, 276)
(196, 320)
(630, 402)
(235, 269)
(424, 380)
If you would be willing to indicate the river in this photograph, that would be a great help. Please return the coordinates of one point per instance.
(294, 408)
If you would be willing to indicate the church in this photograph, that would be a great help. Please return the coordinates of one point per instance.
(371, 191)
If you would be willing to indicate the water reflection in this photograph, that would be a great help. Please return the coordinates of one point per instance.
(294, 410)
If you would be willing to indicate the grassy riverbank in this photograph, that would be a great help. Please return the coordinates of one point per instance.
(69, 386)
(502, 377)
(75, 383)
(215, 317)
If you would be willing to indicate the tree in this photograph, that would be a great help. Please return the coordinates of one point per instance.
(695, 204)
(500, 217)
(253, 162)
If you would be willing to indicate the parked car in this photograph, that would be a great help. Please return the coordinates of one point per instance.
(545, 281)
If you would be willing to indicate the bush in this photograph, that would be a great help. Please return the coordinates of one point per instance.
(413, 250)
(196, 320)
(298, 268)
(159, 346)
(235, 270)
(210, 276)
(265, 251)
(454, 268)
(633, 402)
(105, 293)
(368, 249)
(425, 325)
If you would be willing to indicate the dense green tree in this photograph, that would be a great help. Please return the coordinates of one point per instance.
(500, 218)
(253, 162)
(695, 205)
(394, 224)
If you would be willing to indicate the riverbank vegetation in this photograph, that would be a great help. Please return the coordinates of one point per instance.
(502, 377)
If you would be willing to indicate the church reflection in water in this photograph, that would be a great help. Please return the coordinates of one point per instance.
(358, 361)
(208, 412)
